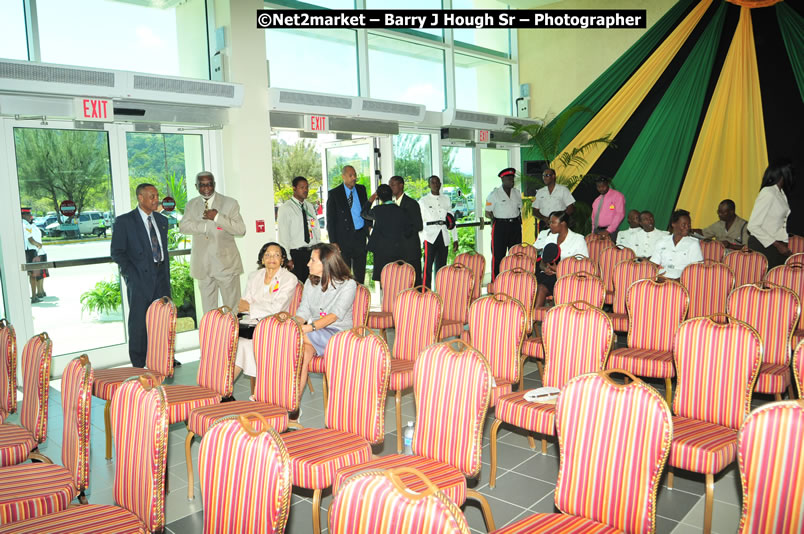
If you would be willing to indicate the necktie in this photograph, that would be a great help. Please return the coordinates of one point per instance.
(304, 221)
(599, 209)
(206, 204)
(156, 250)
(351, 198)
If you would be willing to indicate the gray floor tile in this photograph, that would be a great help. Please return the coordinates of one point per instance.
(518, 489)
(725, 517)
(675, 504)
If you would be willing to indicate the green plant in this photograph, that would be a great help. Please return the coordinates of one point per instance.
(105, 297)
(181, 283)
(177, 188)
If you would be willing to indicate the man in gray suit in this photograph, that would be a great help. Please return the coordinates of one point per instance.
(214, 221)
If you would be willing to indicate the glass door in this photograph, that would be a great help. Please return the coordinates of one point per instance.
(491, 162)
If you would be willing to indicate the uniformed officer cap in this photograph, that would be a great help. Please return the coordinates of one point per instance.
(25, 210)
(510, 171)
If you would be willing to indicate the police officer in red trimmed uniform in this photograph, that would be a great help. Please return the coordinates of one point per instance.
(504, 208)
(436, 211)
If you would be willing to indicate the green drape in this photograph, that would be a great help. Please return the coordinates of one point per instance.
(791, 25)
(651, 173)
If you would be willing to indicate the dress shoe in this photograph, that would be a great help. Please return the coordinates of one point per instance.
(176, 363)
(230, 398)
(34, 300)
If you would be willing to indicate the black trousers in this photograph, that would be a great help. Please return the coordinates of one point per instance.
(774, 258)
(300, 257)
(353, 251)
(140, 296)
(434, 254)
(505, 233)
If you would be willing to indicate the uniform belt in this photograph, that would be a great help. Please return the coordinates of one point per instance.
(514, 219)
(431, 223)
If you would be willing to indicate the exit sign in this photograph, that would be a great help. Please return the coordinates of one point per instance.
(316, 123)
(94, 109)
(483, 136)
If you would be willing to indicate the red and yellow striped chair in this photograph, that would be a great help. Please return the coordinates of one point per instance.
(797, 257)
(798, 368)
(18, 443)
(625, 274)
(395, 278)
(8, 370)
(609, 259)
(584, 351)
(712, 250)
(381, 502)
(160, 324)
(708, 284)
(454, 285)
(520, 285)
(296, 300)
(140, 429)
(611, 459)
(525, 248)
(34, 489)
(519, 259)
(576, 264)
(771, 463)
(655, 309)
(358, 369)
(597, 244)
(716, 366)
(796, 244)
(449, 424)
(278, 349)
(748, 266)
(774, 312)
(792, 277)
(477, 264)
(245, 477)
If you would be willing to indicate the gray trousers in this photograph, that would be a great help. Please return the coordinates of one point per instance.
(227, 286)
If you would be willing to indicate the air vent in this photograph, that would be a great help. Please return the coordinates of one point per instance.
(477, 118)
(44, 73)
(472, 119)
(391, 107)
(185, 87)
(315, 100)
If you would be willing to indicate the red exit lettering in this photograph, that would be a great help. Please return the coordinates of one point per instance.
(318, 123)
(95, 109)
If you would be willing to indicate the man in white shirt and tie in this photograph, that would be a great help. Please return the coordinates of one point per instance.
(298, 228)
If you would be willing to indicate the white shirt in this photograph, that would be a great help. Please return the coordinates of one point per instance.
(273, 297)
(31, 230)
(156, 230)
(573, 244)
(558, 200)
(502, 206)
(209, 201)
(627, 237)
(768, 221)
(435, 208)
(289, 222)
(644, 243)
(673, 258)
(541, 239)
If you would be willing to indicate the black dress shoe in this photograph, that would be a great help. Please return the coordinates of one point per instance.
(34, 300)
(176, 363)
(230, 398)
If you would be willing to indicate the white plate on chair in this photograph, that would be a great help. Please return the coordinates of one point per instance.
(544, 395)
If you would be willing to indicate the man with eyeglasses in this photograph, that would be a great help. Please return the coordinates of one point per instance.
(552, 197)
(214, 221)
(298, 228)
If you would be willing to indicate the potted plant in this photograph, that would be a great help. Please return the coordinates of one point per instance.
(104, 300)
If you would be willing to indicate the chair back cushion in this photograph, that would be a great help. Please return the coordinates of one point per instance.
(520, 285)
(380, 502)
(773, 311)
(655, 309)
(245, 477)
(790, 276)
(518, 259)
(708, 284)
(771, 463)
(609, 258)
(596, 245)
(579, 286)
(612, 457)
(139, 419)
(160, 323)
(396, 277)
(576, 264)
(358, 365)
(712, 250)
(748, 266)
(497, 327)
(452, 387)
(8, 368)
(417, 322)
(716, 367)
(626, 273)
(454, 284)
(218, 332)
(585, 351)
(798, 368)
(796, 257)
(35, 361)
(796, 244)
(295, 301)
(76, 405)
(361, 305)
(526, 249)
(278, 346)
(477, 264)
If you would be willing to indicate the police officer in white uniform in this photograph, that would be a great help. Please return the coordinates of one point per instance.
(504, 208)
(435, 207)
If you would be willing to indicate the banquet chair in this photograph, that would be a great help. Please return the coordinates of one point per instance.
(525, 248)
(517, 259)
(295, 300)
(798, 368)
(454, 285)
(477, 264)
(521, 285)
(790, 276)
(712, 250)
(748, 266)
(708, 284)
(796, 244)
(8, 370)
(597, 244)
(796, 257)
(576, 264)
(626, 273)
(395, 278)
(609, 258)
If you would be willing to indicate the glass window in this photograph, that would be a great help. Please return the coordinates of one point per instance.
(410, 4)
(330, 4)
(313, 60)
(413, 162)
(117, 35)
(458, 184)
(12, 30)
(497, 40)
(406, 72)
(482, 85)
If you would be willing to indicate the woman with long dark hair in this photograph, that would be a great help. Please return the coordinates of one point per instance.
(767, 225)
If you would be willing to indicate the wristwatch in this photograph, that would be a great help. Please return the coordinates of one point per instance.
(312, 325)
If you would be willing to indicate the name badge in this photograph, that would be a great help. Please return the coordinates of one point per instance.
(611, 207)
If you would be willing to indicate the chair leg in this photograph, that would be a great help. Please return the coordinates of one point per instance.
(540, 365)
(522, 372)
(531, 442)
(484, 506)
(188, 445)
(493, 439)
(544, 446)
(317, 511)
(384, 335)
(710, 498)
(82, 498)
(777, 396)
(310, 385)
(668, 391)
(790, 393)
(398, 397)
(325, 392)
(107, 422)
(669, 477)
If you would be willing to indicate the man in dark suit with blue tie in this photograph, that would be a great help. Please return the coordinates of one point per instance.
(139, 247)
(345, 226)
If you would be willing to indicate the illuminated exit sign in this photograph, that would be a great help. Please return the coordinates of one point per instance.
(94, 109)
(483, 136)
(316, 123)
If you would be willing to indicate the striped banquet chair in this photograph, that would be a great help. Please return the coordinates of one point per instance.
(609, 259)
(749, 266)
(477, 264)
(774, 312)
(796, 257)
(798, 368)
(140, 430)
(611, 459)
(521, 285)
(597, 244)
(790, 276)
(708, 284)
(712, 250)
(584, 351)
(771, 462)
(655, 309)
(395, 278)
(525, 248)
(449, 424)
(625, 274)
(380, 502)
(418, 321)
(454, 284)
(796, 244)
(18, 443)
(34, 489)
(716, 366)
(519, 259)
(160, 325)
(358, 369)
(295, 301)
(245, 477)
(278, 349)
(576, 264)
(8, 370)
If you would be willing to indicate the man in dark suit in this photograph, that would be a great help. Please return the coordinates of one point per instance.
(346, 227)
(139, 247)
(391, 228)
(412, 245)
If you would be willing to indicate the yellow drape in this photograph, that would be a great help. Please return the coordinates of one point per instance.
(730, 155)
(611, 118)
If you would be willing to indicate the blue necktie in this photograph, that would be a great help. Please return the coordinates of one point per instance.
(155, 248)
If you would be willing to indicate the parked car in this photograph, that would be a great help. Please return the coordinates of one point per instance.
(92, 223)
(460, 206)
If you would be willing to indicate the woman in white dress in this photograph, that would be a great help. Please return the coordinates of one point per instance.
(569, 244)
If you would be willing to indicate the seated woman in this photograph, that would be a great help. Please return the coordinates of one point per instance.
(391, 227)
(677, 250)
(569, 244)
(326, 306)
(269, 290)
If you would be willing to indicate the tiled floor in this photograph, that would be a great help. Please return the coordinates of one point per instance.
(525, 483)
